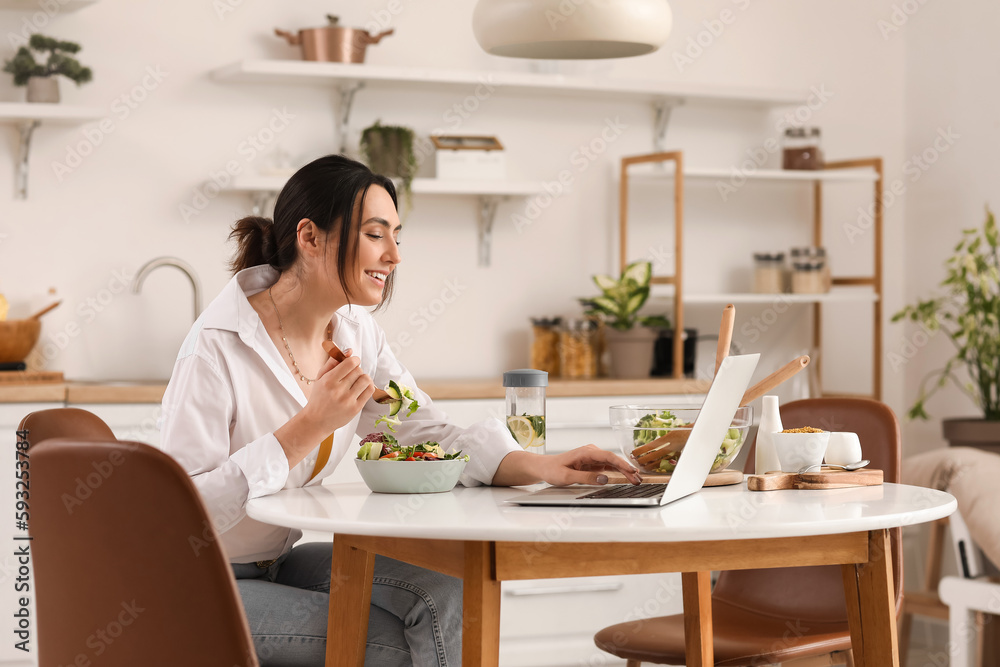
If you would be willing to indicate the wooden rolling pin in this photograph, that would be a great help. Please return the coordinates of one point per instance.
(725, 335)
(774, 379)
(331, 348)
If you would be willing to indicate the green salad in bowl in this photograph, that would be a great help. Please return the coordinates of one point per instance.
(653, 437)
(389, 467)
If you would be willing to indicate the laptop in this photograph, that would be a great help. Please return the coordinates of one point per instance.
(695, 462)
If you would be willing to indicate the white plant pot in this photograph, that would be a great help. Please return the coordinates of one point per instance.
(631, 351)
(43, 90)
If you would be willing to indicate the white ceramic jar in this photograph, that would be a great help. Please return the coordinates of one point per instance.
(843, 448)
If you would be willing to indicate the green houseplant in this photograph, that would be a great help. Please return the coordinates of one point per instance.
(631, 346)
(388, 150)
(968, 313)
(40, 75)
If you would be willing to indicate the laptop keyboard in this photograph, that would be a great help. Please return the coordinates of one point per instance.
(627, 491)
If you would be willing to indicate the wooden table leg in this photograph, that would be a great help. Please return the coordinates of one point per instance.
(871, 605)
(698, 648)
(480, 608)
(350, 596)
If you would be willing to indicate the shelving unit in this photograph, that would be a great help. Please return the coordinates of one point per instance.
(489, 193)
(27, 118)
(349, 78)
(669, 167)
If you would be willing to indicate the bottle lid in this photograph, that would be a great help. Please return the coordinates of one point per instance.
(579, 324)
(526, 377)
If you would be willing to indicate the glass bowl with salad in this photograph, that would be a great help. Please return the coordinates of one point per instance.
(652, 437)
(386, 466)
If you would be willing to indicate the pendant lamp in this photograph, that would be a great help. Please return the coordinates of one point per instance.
(571, 29)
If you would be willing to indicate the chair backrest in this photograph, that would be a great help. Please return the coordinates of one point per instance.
(123, 545)
(817, 593)
(63, 423)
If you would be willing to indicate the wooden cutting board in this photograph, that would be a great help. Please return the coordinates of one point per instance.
(8, 378)
(721, 478)
(821, 479)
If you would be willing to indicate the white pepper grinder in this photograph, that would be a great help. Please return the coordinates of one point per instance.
(766, 458)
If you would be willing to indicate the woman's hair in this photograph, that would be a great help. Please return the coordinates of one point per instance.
(324, 191)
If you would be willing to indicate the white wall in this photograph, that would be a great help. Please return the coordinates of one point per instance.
(951, 68)
(121, 206)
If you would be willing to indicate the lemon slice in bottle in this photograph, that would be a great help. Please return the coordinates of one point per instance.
(521, 429)
(4, 307)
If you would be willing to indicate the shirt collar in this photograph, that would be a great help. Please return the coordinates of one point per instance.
(231, 310)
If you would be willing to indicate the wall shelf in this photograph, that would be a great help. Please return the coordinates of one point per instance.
(66, 114)
(27, 117)
(349, 78)
(835, 296)
(664, 171)
(520, 83)
(264, 188)
(34, 6)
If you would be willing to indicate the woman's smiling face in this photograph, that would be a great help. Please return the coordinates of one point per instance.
(378, 251)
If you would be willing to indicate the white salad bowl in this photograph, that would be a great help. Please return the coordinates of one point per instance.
(410, 476)
(797, 450)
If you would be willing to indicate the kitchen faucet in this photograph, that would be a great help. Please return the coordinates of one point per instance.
(180, 264)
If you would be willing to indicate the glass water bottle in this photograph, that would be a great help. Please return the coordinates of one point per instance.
(526, 407)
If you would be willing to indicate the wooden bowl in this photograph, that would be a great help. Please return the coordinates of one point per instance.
(18, 338)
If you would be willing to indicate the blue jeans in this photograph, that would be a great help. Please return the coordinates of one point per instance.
(415, 616)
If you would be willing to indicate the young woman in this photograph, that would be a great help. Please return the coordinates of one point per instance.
(253, 395)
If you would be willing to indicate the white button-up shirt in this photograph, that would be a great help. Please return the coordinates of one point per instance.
(230, 390)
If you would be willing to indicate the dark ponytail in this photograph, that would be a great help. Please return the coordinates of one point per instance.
(255, 243)
(323, 191)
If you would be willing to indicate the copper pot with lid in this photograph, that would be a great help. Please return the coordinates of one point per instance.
(332, 43)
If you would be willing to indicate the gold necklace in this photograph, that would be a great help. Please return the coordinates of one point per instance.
(285, 341)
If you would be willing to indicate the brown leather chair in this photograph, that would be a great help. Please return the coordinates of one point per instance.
(779, 615)
(63, 423)
(126, 562)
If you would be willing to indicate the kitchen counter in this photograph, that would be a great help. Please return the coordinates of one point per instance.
(152, 391)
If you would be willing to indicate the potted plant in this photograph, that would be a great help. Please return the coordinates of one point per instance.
(968, 313)
(40, 77)
(631, 347)
(388, 150)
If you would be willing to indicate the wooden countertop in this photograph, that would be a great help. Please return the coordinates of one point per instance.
(493, 388)
(438, 389)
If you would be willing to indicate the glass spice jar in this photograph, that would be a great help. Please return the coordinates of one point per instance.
(812, 263)
(769, 273)
(807, 278)
(578, 348)
(801, 149)
(545, 344)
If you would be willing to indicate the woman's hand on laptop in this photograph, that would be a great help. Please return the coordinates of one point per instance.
(583, 465)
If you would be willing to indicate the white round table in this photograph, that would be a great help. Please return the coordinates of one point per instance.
(473, 534)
